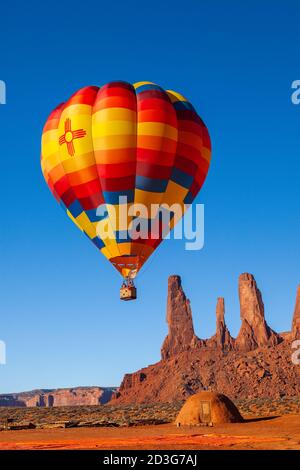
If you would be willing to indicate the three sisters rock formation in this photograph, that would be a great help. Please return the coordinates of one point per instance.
(257, 363)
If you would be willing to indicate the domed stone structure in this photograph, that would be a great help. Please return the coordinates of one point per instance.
(208, 408)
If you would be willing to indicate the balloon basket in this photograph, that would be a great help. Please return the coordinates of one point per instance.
(128, 291)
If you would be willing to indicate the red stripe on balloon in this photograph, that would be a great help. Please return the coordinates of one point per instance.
(151, 170)
(154, 103)
(116, 170)
(83, 190)
(157, 115)
(115, 102)
(186, 165)
(68, 197)
(152, 156)
(91, 202)
(62, 185)
(85, 95)
(118, 184)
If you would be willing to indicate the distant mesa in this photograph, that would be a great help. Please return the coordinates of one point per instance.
(59, 397)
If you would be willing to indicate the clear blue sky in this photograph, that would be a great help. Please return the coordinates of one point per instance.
(60, 314)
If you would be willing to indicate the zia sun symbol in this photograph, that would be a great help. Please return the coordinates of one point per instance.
(69, 136)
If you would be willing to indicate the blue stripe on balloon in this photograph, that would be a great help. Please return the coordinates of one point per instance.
(150, 184)
(189, 198)
(147, 87)
(181, 105)
(75, 208)
(182, 178)
(98, 242)
(92, 214)
(112, 197)
(122, 236)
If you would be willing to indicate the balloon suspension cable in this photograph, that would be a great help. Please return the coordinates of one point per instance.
(129, 281)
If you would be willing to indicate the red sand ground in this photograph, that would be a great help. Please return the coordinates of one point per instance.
(275, 433)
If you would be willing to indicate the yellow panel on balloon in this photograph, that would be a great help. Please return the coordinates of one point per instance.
(108, 128)
(124, 248)
(74, 110)
(114, 114)
(79, 163)
(174, 194)
(49, 143)
(115, 142)
(157, 129)
(74, 220)
(139, 84)
(113, 250)
(104, 230)
(106, 253)
(149, 200)
(175, 96)
(89, 227)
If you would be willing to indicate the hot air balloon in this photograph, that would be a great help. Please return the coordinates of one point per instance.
(122, 142)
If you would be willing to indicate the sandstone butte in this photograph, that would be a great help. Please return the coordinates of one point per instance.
(255, 364)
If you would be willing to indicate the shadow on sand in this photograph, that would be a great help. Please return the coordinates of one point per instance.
(256, 420)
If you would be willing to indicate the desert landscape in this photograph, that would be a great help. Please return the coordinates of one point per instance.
(281, 433)
(254, 370)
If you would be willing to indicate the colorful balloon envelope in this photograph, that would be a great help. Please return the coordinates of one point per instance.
(111, 151)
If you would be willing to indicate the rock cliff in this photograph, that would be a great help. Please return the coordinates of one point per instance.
(181, 336)
(296, 318)
(254, 331)
(222, 339)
